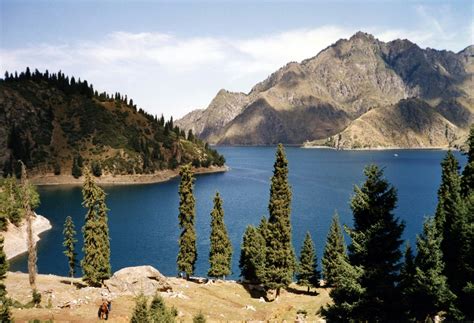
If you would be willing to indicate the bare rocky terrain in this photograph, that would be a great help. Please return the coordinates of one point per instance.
(359, 92)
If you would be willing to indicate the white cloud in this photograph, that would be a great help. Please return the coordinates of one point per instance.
(167, 74)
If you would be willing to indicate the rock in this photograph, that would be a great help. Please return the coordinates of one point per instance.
(136, 280)
(15, 237)
(250, 308)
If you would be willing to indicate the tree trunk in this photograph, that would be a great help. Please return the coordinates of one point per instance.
(29, 229)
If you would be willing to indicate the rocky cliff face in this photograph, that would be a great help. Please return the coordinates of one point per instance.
(329, 93)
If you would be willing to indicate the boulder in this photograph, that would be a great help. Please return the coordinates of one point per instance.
(136, 280)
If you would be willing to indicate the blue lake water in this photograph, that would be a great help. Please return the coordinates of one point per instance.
(143, 219)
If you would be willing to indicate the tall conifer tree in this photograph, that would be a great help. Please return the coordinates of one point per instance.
(334, 246)
(347, 294)
(431, 290)
(376, 240)
(220, 254)
(69, 243)
(32, 256)
(280, 259)
(407, 284)
(450, 222)
(187, 254)
(252, 256)
(308, 274)
(465, 229)
(5, 314)
(96, 261)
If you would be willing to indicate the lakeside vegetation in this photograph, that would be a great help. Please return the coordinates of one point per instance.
(369, 279)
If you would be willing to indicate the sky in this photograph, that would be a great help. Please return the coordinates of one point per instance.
(172, 57)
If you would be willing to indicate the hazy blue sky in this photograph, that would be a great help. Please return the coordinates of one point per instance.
(173, 56)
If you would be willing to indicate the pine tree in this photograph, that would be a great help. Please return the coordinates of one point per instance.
(430, 285)
(346, 295)
(467, 180)
(220, 254)
(187, 255)
(5, 314)
(159, 312)
(465, 229)
(334, 246)
(140, 312)
(376, 240)
(308, 274)
(96, 261)
(280, 262)
(32, 255)
(252, 256)
(407, 284)
(451, 222)
(69, 243)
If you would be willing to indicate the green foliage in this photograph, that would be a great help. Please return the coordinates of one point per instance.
(36, 298)
(454, 224)
(347, 294)
(69, 244)
(76, 170)
(159, 312)
(220, 254)
(86, 117)
(280, 262)
(187, 255)
(96, 169)
(252, 256)
(407, 283)
(199, 318)
(11, 197)
(96, 261)
(431, 290)
(140, 312)
(308, 274)
(376, 240)
(5, 314)
(335, 246)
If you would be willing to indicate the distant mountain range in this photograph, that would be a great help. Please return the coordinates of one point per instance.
(56, 124)
(357, 93)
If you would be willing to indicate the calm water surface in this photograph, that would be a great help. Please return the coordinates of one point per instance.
(144, 223)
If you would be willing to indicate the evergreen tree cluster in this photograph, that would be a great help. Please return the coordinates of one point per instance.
(156, 312)
(220, 253)
(11, 201)
(372, 284)
(5, 314)
(101, 119)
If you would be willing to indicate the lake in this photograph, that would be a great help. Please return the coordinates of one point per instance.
(143, 219)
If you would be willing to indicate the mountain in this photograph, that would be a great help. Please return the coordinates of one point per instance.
(341, 89)
(54, 123)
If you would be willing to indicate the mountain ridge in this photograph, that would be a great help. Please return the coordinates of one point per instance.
(348, 78)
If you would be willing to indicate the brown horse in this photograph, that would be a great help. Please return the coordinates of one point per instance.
(103, 311)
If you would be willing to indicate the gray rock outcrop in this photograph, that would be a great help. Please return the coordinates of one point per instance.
(136, 280)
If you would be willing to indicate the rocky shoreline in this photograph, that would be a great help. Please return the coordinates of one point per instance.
(15, 237)
(157, 177)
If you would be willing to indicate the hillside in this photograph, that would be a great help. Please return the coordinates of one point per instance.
(221, 301)
(55, 125)
(325, 96)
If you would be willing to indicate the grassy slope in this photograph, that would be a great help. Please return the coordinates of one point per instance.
(222, 301)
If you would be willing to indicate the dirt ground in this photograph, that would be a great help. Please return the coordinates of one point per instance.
(219, 302)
